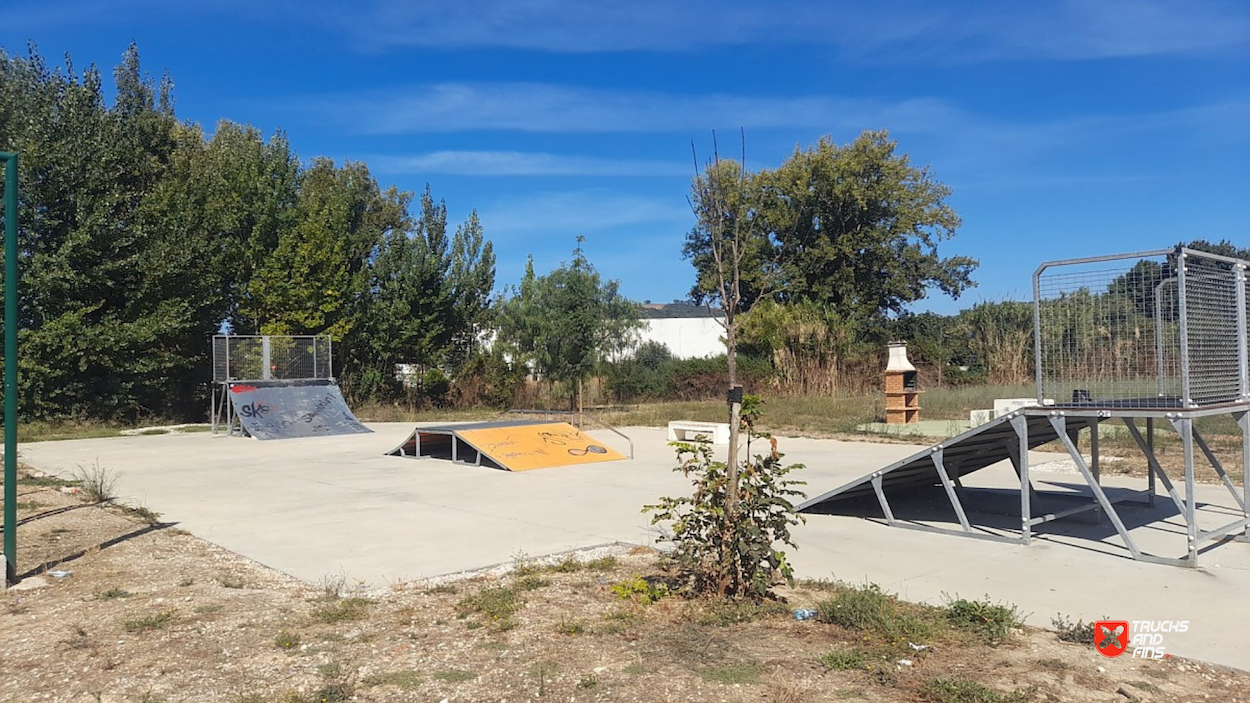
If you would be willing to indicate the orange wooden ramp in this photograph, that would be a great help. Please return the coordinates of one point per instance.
(508, 445)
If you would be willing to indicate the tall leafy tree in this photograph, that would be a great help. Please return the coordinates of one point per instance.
(855, 227)
(562, 324)
(114, 291)
(472, 282)
(314, 278)
(250, 191)
(427, 294)
(140, 236)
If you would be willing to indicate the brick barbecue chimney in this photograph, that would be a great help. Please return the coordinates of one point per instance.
(902, 387)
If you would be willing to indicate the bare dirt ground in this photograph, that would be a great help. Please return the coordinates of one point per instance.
(116, 606)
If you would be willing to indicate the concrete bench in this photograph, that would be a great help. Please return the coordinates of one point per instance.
(1003, 406)
(689, 431)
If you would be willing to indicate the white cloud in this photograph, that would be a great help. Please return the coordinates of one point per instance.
(897, 30)
(583, 212)
(517, 163)
(544, 107)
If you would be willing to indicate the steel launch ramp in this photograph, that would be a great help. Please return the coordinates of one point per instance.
(961, 455)
(516, 445)
(291, 409)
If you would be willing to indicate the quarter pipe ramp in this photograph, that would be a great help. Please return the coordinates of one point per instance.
(291, 409)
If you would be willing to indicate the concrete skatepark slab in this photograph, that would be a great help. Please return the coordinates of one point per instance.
(330, 505)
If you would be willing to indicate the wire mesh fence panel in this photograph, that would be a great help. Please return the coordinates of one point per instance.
(271, 357)
(1211, 331)
(1140, 330)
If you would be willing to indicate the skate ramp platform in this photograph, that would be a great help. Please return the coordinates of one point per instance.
(292, 409)
(512, 445)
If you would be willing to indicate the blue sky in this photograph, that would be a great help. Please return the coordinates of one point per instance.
(1065, 128)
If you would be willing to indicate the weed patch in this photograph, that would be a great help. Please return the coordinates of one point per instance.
(991, 622)
(731, 674)
(454, 676)
(959, 689)
(96, 484)
(286, 640)
(870, 610)
(845, 659)
(158, 621)
(495, 604)
(141, 513)
(602, 564)
(1079, 632)
(532, 582)
(543, 672)
(342, 611)
(571, 628)
(400, 679)
(48, 481)
(640, 590)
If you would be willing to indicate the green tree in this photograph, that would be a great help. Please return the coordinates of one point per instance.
(471, 279)
(427, 298)
(249, 188)
(1222, 247)
(119, 284)
(562, 324)
(855, 227)
(315, 278)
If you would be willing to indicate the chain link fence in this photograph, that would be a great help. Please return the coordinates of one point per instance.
(1151, 329)
(271, 357)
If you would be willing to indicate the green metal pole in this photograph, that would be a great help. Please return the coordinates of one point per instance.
(10, 366)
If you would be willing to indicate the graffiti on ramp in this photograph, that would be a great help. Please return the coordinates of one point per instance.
(290, 409)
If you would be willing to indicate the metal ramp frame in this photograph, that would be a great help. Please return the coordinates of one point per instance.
(1010, 437)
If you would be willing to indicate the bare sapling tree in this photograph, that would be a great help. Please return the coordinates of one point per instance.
(727, 235)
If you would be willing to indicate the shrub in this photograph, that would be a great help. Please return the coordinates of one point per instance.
(651, 376)
(730, 552)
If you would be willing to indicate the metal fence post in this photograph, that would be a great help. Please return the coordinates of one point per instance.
(10, 365)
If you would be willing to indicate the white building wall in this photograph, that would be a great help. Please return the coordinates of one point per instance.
(686, 337)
